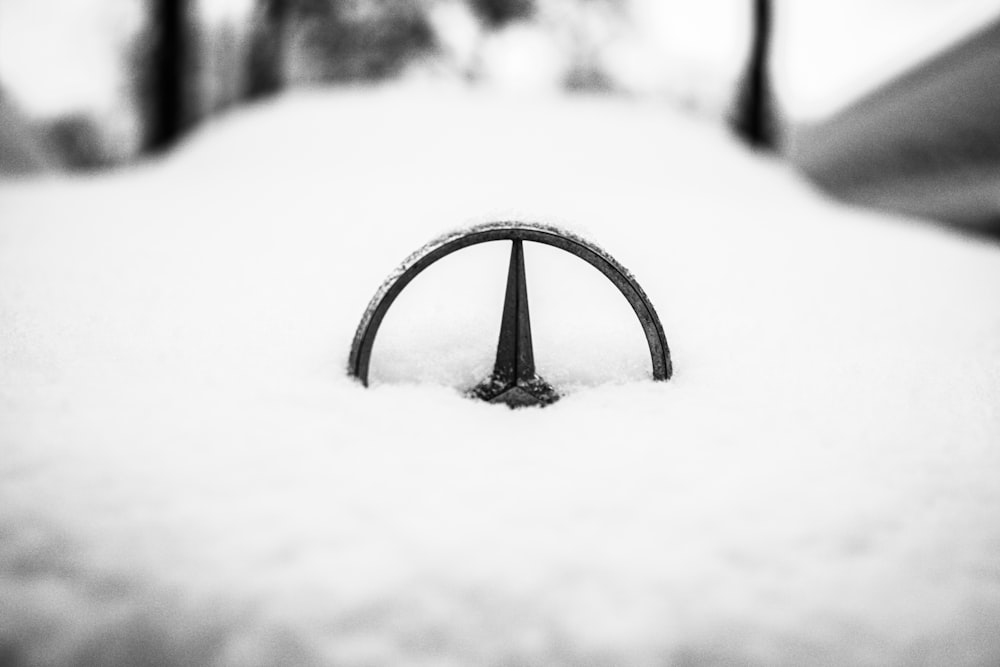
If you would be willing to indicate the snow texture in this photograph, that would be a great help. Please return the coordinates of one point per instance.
(188, 476)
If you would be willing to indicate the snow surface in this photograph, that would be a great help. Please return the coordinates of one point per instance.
(188, 476)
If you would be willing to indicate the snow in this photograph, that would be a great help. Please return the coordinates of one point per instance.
(189, 476)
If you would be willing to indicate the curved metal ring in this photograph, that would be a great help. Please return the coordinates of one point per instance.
(364, 338)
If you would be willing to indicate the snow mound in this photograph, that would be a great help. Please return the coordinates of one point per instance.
(188, 476)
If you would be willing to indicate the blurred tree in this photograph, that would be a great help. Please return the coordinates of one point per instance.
(23, 150)
(363, 40)
(497, 13)
(266, 69)
(168, 107)
(79, 142)
(754, 116)
(224, 66)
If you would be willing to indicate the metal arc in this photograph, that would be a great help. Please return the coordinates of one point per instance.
(364, 337)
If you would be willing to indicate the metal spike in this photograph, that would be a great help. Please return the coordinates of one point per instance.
(514, 381)
(515, 355)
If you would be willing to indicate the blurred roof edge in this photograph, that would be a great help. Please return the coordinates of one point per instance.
(926, 143)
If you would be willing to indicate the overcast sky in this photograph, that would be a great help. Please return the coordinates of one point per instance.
(61, 55)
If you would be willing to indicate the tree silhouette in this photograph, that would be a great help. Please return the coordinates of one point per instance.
(753, 118)
(169, 86)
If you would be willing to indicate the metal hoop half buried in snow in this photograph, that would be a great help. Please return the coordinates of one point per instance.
(513, 381)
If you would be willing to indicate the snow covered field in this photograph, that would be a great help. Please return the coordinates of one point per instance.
(188, 476)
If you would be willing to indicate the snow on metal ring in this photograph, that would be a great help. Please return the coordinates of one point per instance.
(513, 381)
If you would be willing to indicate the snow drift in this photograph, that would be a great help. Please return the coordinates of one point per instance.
(188, 476)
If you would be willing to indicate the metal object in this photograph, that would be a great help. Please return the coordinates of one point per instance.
(514, 380)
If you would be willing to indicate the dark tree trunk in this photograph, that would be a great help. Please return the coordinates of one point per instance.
(754, 118)
(266, 74)
(169, 85)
